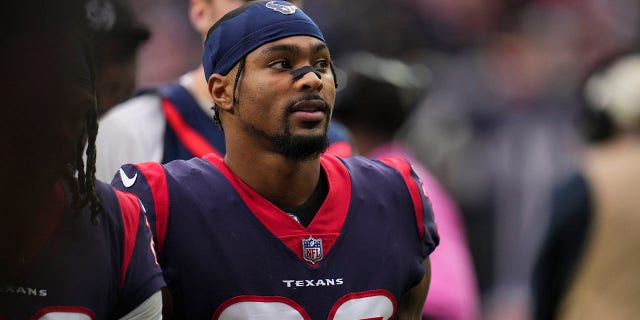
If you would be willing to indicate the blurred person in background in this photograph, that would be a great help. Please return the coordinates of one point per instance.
(71, 247)
(498, 129)
(116, 36)
(587, 268)
(376, 96)
(174, 120)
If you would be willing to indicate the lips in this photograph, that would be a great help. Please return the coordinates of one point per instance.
(309, 106)
(309, 110)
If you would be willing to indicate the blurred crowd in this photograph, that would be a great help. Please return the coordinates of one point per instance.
(496, 123)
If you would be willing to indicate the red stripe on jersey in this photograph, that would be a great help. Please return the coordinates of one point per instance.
(405, 169)
(340, 148)
(192, 140)
(327, 222)
(130, 210)
(154, 174)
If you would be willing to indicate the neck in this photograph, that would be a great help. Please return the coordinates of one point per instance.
(277, 179)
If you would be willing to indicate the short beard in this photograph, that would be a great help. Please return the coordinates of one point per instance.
(294, 148)
(298, 149)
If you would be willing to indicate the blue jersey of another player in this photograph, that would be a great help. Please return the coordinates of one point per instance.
(228, 253)
(86, 271)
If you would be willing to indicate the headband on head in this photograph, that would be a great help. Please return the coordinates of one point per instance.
(243, 30)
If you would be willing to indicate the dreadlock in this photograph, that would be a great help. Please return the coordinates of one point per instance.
(237, 80)
(216, 108)
(87, 176)
(84, 184)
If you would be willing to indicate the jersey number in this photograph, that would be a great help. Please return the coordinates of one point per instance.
(64, 313)
(368, 305)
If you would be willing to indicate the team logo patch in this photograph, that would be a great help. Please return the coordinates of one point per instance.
(312, 249)
(282, 8)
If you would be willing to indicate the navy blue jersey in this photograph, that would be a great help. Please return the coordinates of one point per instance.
(87, 271)
(228, 253)
(191, 132)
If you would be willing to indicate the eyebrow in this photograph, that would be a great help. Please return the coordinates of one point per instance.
(291, 49)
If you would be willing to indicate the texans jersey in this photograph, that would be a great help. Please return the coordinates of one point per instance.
(86, 271)
(228, 253)
(190, 131)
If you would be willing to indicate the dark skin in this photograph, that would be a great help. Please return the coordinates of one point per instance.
(265, 108)
(270, 103)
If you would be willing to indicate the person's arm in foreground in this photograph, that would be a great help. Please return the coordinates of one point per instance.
(410, 307)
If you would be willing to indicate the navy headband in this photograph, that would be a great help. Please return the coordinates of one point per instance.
(245, 29)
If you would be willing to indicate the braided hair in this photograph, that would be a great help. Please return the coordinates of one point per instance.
(81, 177)
(216, 108)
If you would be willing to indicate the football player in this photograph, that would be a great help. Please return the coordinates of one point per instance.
(278, 229)
(71, 247)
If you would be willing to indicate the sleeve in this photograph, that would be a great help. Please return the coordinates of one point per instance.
(140, 276)
(424, 213)
(148, 182)
(122, 139)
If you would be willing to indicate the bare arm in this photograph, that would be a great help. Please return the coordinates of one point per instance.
(410, 307)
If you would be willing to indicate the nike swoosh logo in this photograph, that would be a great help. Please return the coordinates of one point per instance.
(126, 181)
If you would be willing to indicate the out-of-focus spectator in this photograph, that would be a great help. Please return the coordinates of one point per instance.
(375, 98)
(498, 130)
(587, 268)
(174, 45)
(116, 37)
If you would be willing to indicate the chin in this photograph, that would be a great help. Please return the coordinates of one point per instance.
(300, 147)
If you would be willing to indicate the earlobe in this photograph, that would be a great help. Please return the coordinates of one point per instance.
(220, 92)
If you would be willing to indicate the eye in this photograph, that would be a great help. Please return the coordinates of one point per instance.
(281, 65)
(321, 65)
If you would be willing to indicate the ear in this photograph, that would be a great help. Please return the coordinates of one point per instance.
(221, 91)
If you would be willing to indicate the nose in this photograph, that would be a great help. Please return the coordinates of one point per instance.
(299, 73)
(307, 78)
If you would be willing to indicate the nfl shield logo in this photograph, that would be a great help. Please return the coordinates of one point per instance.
(312, 249)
